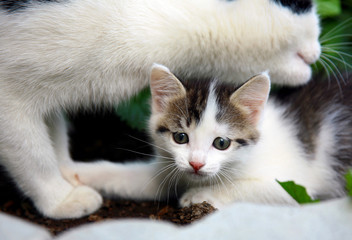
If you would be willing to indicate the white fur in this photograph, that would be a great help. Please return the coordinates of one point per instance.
(87, 53)
(247, 173)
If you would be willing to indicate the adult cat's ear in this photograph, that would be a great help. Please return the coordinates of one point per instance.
(252, 96)
(164, 86)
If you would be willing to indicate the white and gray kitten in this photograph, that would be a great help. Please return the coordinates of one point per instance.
(218, 143)
(66, 54)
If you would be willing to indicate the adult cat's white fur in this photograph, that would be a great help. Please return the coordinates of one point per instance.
(63, 55)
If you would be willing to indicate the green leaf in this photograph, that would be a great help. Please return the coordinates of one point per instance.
(136, 111)
(297, 192)
(328, 8)
(348, 178)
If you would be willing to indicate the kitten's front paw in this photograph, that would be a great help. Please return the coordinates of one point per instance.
(80, 202)
(198, 196)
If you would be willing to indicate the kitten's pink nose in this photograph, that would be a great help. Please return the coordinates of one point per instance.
(196, 165)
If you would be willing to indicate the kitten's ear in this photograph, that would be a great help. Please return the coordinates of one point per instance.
(164, 86)
(251, 97)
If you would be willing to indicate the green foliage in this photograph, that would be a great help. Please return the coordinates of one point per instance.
(136, 111)
(348, 178)
(297, 192)
(328, 8)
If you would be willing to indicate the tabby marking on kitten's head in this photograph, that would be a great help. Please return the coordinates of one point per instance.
(204, 123)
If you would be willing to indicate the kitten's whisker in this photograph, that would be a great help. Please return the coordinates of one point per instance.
(227, 177)
(172, 181)
(224, 184)
(144, 154)
(151, 144)
(177, 181)
(162, 184)
(164, 161)
(161, 171)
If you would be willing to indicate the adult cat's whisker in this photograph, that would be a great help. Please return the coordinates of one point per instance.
(334, 50)
(338, 76)
(336, 45)
(340, 60)
(329, 70)
(335, 37)
(343, 54)
(336, 29)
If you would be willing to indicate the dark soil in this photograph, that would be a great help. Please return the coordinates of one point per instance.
(101, 136)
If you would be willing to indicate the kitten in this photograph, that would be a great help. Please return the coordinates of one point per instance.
(218, 143)
(62, 55)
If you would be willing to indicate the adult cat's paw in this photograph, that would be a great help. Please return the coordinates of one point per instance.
(198, 196)
(80, 202)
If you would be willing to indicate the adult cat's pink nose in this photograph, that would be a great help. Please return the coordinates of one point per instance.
(196, 165)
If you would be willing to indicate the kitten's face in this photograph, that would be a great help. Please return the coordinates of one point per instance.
(204, 126)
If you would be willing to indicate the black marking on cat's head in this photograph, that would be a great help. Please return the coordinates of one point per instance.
(242, 142)
(162, 129)
(296, 6)
(16, 5)
(197, 96)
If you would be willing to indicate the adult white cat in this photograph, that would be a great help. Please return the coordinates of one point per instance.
(60, 55)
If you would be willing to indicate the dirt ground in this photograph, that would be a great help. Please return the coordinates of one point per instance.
(97, 136)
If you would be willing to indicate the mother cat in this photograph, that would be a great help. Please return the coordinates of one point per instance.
(62, 55)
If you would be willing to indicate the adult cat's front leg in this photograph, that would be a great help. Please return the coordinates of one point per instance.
(135, 180)
(28, 155)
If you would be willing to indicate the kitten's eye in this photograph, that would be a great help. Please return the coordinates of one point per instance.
(180, 138)
(221, 143)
